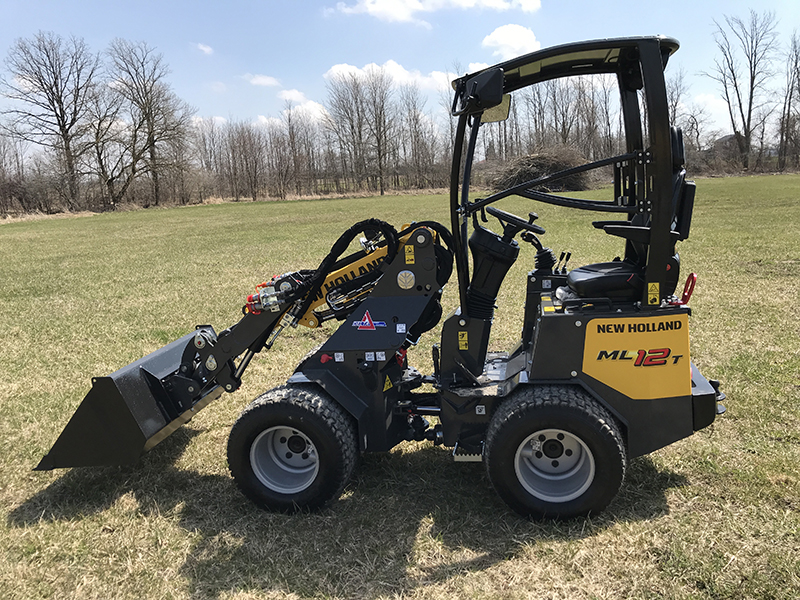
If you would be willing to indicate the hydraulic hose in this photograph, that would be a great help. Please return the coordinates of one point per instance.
(313, 284)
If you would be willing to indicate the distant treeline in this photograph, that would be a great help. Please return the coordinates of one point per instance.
(92, 131)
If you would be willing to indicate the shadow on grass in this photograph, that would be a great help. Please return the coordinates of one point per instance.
(407, 520)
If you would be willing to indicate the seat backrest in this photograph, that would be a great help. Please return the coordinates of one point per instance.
(682, 190)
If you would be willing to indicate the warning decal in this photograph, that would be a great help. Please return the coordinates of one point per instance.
(653, 294)
(463, 340)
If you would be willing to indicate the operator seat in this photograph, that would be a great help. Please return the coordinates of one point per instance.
(623, 280)
(619, 280)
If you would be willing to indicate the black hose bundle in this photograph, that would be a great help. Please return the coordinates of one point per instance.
(313, 284)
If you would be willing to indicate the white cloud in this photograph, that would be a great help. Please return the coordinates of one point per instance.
(510, 41)
(218, 87)
(269, 121)
(26, 84)
(474, 67)
(385, 10)
(406, 11)
(199, 121)
(294, 96)
(433, 81)
(299, 105)
(313, 110)
(309, 109)
(342, 69)
(205, 49)
(261, 80)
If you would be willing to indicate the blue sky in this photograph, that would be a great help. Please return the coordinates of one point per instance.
(244, 59)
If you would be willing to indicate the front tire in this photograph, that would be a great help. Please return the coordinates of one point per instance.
(553, 451)
(293, 448)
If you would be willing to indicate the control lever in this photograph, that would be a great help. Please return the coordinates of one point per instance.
(560, 258)
(527, 236)
(564, 268)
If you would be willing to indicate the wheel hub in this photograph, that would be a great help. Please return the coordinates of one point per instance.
(553, 448)
(284, 459)
(296, 444)
(554, 465)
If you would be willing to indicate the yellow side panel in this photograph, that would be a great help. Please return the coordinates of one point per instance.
(644, 358)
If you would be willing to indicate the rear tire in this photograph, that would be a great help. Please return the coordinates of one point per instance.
(553, 451)
(294, 448)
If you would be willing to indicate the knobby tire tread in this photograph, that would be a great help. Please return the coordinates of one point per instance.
(315, 400)
(527, 401)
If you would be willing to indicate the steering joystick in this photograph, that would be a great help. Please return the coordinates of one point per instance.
(512, 224)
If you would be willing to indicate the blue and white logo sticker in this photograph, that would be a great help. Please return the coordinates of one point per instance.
(367, 324)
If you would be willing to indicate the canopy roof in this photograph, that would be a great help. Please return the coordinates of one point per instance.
(581, 58)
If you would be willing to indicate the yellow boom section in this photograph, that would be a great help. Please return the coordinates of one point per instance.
(356, 265)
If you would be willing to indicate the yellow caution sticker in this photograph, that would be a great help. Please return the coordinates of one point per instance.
(653, 294)
(388, 384)
(463, 340)
(409, 254)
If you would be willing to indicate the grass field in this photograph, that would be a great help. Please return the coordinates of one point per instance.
(714, 516)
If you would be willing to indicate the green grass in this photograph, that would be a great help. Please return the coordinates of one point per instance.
(713, 516)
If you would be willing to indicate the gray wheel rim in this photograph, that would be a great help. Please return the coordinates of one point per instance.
(284, 459)
(554, 465)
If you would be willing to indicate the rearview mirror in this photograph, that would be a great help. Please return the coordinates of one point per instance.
(498, 113)
(478, 93)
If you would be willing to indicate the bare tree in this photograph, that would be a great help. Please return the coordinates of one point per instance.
(278, 161)
(139, 76)
(788, 121)
(347, 120)
(52, 82)
(562, 98)
(753, 41)
(380, 118)
(208, 148)
(251, 145)
(677, 88)
(695, 125)
(415, 138)
(12, 174)
(536, 99)
(296, 129)
(302, 129)
(119, 145)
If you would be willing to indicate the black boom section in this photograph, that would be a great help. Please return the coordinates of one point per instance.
(362, 363)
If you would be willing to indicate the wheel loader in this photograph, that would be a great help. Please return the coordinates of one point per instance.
(601, 373)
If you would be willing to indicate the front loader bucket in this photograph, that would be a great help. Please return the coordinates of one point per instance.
(130, 411)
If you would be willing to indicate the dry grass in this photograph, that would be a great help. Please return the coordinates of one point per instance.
(713, 516)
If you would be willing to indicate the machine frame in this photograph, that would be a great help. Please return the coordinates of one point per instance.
(601, 373)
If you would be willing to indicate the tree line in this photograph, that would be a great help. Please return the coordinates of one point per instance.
(84, 130)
